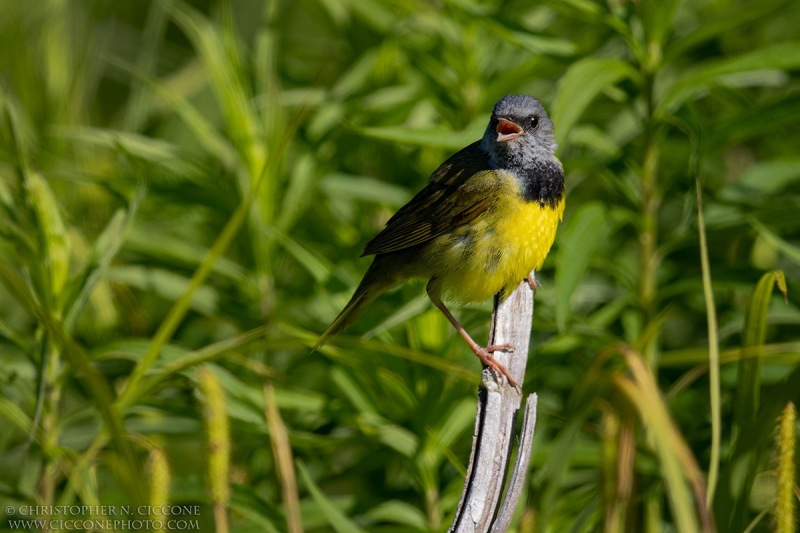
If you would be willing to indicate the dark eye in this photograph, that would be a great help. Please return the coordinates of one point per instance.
(535, 121)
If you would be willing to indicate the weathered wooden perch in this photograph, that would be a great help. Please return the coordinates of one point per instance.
(480, 509)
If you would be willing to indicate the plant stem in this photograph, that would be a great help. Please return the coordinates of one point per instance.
(648, 236)
(713, 355)
(50, 397)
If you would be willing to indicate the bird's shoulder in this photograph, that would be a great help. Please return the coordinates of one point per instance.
(456, 193)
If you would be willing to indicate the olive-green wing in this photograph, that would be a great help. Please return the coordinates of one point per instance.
(449, 200)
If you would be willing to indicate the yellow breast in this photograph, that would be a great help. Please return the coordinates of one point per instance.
(498, 249)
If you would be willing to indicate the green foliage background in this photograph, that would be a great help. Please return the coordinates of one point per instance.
(185, 190)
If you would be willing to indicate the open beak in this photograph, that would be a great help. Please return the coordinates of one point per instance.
(507, 130)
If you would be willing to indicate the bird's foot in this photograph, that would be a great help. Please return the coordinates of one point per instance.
(485, 355)
(533, 283)
(499, 348)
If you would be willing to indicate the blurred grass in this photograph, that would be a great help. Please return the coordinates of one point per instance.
(218, 444)
(186, 186)
(785, 505)
(713, 354)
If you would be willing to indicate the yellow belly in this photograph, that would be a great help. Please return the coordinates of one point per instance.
(498, 249)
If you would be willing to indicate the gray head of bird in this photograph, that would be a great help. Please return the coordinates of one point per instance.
(519, 132)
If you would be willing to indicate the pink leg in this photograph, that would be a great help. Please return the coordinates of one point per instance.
(484, 354)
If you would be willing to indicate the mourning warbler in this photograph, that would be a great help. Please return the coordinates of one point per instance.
(486, 219)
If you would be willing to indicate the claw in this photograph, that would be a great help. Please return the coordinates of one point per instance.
(533, 283)
(500, 348)
(484, 354)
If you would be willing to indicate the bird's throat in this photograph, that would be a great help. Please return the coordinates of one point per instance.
(543, 183)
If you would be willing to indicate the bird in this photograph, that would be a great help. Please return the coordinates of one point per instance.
(485, 220)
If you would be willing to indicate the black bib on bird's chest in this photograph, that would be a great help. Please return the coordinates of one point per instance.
(543, 182)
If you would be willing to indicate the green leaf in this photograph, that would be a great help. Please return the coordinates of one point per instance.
(734, 17)
(713, 353)
(157, 151)
(663, 435)
(658, 19)
(790, 250)
(764, 179)
(14, 415)
(133, 350)
(458, 420)
(754, 332)
(105, 248)
(409, 310)
(353, 79)
(786, 498)
(333, 515)
(181, 306)
(166, 284)
(299, 193)
(319, 268)
(379, 16)
(92, 380)
(178, 251)
(579, 240)
(535, 44)
(754, 335)
(52, 234)
(198, 123)
(395, 437)
(677, 465)
(398, 512)
(250, 504)
(783, 56)
(438, 444)
(362, 188)
(594, 139)
(353, 391)
(223, 66)
(428, 137)
(779, 353)
(582, 82)
(242, 400)
(245, 400)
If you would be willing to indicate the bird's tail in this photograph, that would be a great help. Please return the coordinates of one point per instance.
(373, 285)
